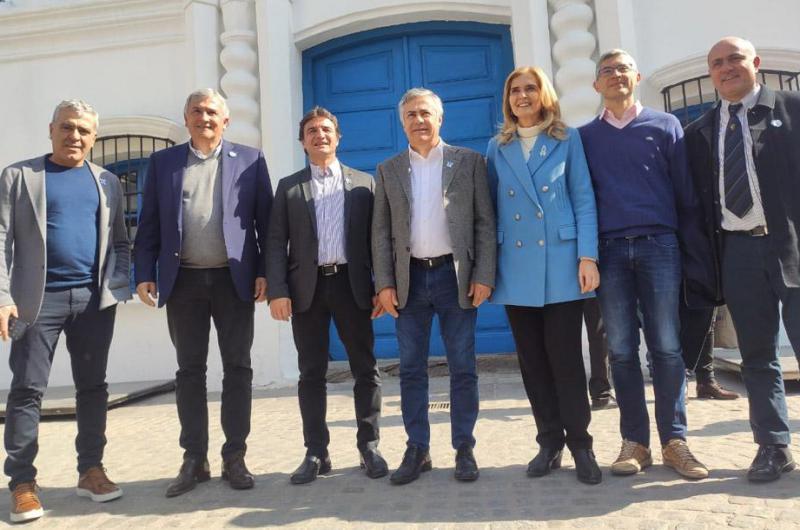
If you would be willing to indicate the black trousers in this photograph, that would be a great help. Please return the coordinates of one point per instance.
(200, 296)
(548, 341)
(334, 298)
(88, 332)
(697, 340)
(599, 385)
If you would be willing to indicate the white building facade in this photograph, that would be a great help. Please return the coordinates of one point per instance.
(136, 60)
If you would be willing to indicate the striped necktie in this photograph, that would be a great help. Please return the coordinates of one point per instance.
(738, 199)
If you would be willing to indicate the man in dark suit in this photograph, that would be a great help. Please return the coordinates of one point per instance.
(745, 158)
(434, 246)
(318, 267)
(204, 224)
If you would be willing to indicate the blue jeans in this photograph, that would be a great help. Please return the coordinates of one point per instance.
(645, 272)
(88, 333)
(435, 291)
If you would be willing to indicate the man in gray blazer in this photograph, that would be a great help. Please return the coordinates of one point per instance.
(65, 266)
(318, 267)
(433, 249)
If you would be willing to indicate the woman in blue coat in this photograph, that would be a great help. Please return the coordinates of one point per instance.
(546, 263)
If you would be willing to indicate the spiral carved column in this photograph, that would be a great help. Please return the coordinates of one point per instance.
(240, 81)
(574, 45)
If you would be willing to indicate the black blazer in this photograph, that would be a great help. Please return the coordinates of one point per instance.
(292, 243)
(775, 128)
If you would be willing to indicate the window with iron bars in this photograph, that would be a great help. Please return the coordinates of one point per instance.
(689, 99)
(127, 156)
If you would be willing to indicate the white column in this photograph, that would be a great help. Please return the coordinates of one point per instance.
(240, 81)
(530, 34)
(616, 27)
(573, 48)
(202, 22)
(280, 65)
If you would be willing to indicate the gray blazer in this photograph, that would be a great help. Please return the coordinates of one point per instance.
(292, 271)
(470, 218)
(23, 234)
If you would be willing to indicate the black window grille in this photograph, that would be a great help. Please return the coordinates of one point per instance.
(127, 156)
(689, 99)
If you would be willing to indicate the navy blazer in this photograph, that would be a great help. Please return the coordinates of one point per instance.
(246, 202)
(774, 124)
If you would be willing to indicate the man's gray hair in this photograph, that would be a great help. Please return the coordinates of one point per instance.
(79, 106)
(206, 93)
(418, 92)
(610, 54)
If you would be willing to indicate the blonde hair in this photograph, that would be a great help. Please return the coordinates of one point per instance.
(551, 122)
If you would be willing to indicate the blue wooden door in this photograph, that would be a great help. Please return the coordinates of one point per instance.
(361, 77)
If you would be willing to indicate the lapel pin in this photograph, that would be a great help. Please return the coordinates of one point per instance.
(776, 123)
(449, 163)
(233, 154)
(543, 152)
(103, 181)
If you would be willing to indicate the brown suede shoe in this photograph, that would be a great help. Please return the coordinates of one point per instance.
(713, 390)
(633, 457)
(25, 505)
(676, 454)
(94, 484)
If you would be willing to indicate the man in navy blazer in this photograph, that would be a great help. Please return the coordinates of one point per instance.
(745, 157)
(202, 227)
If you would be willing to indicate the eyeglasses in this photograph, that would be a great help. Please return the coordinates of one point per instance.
(607, 71)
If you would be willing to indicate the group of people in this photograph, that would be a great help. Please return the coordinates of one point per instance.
(657, 223)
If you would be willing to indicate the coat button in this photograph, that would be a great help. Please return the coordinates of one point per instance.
(539, 215)
(176, 254)
(517, 217)
(518, 243)
(541, 242)
(408, 249)
(545, 189)
(511, 193)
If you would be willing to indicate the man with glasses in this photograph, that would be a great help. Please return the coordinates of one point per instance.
(649, 223)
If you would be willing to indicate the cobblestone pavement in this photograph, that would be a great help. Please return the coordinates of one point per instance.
(143, 455)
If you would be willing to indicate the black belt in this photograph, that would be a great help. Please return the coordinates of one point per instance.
(758, 231)
(432, 263)
(333, 268)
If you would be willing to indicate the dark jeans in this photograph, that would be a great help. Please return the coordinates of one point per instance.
(599, 386)
(333, 297)
(88, 332)
(644, 272)
(548, 341)
(753, 287)
(697, 340)
(435, 291)
(199, 296)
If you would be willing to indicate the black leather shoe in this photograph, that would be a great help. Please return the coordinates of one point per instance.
(415, 461)
(543, 462)
(466, 466)
(310, 468)
(586, 466)
(193, 470)
(599, 403)
(373, 463)
(769, 463)
(236, 473)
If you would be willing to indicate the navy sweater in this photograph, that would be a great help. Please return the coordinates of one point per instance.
(72, 208)
(640, 174)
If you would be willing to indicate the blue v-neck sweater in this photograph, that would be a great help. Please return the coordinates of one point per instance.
(640, 174)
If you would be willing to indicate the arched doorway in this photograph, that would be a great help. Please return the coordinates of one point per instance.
(361, 77)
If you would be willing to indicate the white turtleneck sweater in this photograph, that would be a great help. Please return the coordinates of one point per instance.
(527, 137)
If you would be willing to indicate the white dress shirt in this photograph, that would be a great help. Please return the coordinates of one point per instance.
(430, 235)
(327, 187)
(755, 217)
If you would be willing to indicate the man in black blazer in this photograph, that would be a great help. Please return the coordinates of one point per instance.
(745, 156)
(318, 267)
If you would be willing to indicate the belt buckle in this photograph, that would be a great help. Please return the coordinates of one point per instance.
(429, 262)
(759, 231)
(330, 269)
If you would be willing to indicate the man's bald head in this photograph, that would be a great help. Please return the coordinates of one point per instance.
(732, 65)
